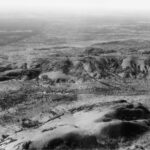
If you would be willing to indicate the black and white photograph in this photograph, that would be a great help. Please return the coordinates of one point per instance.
(74, 74)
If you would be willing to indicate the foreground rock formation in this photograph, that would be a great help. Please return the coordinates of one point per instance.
(91, 127)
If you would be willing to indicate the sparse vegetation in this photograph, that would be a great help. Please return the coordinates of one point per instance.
(60, 91)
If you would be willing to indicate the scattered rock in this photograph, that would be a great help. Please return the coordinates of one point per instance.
(129, 112)
(4, 136)
(125, 121)
(27, 123)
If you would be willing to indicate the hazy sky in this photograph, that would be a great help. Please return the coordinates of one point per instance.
(100, 7)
